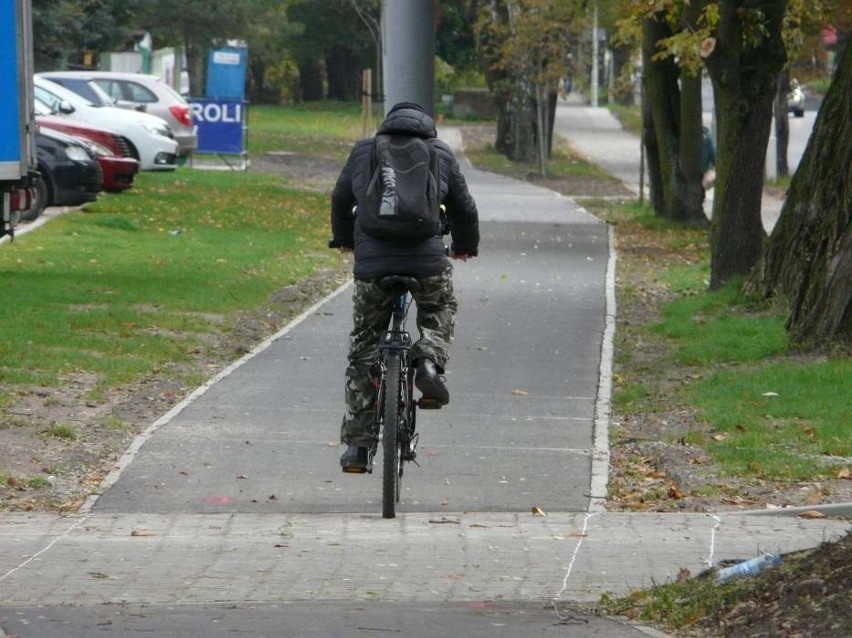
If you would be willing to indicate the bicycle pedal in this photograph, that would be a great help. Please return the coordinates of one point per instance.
(429, 404)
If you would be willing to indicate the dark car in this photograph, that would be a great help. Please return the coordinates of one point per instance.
(70, 174)
(119, 168)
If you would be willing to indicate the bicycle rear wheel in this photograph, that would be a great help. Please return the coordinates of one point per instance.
(391, 451)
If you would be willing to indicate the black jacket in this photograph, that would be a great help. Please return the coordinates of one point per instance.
(376, 257)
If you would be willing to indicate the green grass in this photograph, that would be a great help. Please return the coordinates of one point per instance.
(629, 116)
(325, 128)
(717, 327)
(562, 163)
(767, 411)
(783, 419)
(136, 280)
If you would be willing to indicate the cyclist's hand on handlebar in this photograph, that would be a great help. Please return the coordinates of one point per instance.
(461, 256)
(343, 249)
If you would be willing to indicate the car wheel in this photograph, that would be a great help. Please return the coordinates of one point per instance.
(42, 198)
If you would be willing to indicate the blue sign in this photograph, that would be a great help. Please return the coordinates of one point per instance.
(226, 72)
(220, 125)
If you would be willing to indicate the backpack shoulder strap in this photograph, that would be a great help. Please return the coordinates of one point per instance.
(380, 145)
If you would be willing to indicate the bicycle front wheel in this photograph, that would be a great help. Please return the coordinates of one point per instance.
(391, 453)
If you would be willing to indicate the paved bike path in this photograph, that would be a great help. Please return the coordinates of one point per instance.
(231, 514)
(523, 376)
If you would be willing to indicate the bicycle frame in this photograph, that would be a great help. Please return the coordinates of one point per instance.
(396, 408)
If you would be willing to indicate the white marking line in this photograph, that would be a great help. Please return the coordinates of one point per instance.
(601, 455)
(511, 448)
(558, 595)
(140, 440)
(45, 549)
(716, 525)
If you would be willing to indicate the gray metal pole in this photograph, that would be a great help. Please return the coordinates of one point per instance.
(408, 52)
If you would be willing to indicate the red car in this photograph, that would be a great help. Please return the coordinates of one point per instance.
(118, 167)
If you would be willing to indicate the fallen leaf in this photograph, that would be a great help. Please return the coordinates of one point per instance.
(537, 511)
(739, 500)
(242, 476)
(675, 493)
(143, 532)
(443, 521)
(98, 575)
(718, 437)
(812, 514)
(683, 575)
(519, 393)
(844, 474)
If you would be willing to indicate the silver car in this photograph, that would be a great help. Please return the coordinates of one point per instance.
(152, 140)
(139, 92)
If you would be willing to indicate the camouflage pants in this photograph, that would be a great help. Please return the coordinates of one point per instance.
(436, 310)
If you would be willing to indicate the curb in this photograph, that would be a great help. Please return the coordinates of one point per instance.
(832, 510)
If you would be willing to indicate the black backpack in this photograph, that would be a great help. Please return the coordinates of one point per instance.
(402, 198)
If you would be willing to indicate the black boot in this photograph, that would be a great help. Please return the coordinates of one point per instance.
(429, 381)
(354, 460)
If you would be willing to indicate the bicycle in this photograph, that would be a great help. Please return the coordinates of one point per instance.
(396, 409)
(394, 423)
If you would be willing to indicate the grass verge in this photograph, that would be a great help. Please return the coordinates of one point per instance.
(136, 280)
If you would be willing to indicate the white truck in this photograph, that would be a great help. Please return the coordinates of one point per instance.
(17, 129)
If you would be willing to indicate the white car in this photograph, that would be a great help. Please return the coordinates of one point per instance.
(152, 140)
(136, 91)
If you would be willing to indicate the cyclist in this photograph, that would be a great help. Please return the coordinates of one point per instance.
(426, 260)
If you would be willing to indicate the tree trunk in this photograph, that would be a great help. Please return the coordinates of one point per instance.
(744, 71)
(808, 258)
(662, 97)
(782, 125)
(655, 177)
(310, 80)
(344, 75)
(522, 115)
(688, 201)
(688, 192)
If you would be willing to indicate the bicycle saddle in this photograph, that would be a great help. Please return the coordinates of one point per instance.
(399, 283)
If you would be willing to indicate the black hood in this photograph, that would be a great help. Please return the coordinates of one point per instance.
(408, 118)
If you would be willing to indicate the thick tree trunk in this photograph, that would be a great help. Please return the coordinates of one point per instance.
(744, 71)
(808, 258)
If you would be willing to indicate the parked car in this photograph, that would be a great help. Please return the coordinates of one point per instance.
(69, 173)
(119, 168)
(135, 91)
(796, 99)
(151, 139)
